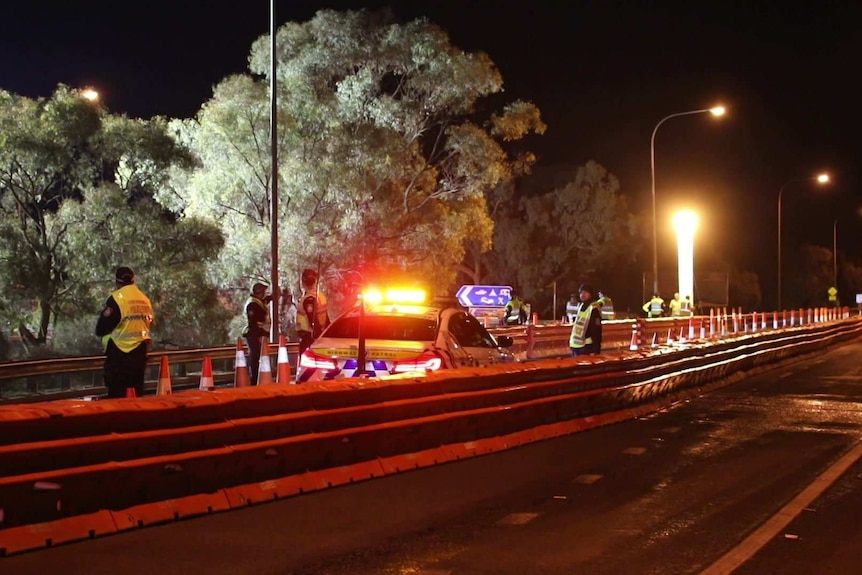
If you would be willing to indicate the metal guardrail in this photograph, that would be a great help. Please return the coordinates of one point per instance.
(75, 377)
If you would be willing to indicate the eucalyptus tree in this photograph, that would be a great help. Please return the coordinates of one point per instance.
(389, 145)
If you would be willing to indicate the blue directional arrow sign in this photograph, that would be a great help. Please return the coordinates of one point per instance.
(484, 296)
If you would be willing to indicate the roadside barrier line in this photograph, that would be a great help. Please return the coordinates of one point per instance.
(775, 524)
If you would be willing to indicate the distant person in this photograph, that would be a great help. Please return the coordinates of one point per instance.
(606, 304)
(516, 311)
(287, 311)
(687, 307)
(572, 307)
(312, 315)
(586, 336)
(124, 326)
(257, 326)
(654, 307)
(675, 306)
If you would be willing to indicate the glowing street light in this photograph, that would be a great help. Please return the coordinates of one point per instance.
(90, 94)
(685, 224)
(716, 111)
(820, 179)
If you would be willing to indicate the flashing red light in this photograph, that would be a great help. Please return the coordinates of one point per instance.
(428, 361)
(313, 360)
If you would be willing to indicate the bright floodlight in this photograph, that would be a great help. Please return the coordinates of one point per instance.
(823, 178)
(685, 224)
(90, 94)
(717, 111)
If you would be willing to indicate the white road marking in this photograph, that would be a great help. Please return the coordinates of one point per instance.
(587, 478)
(635, 450)
(754, 542)
(517, 518)
(671, 430)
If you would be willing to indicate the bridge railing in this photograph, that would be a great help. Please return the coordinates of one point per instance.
(76, 377)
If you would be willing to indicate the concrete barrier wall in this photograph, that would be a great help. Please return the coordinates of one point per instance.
(81, 469)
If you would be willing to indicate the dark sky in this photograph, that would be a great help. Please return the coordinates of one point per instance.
(602, 72)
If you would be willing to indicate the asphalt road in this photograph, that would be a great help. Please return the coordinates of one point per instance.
(762, 476)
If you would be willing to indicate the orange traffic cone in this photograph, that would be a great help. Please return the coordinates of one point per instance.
(655, 339)
(241, 377)
(164, 385)
(681, 338)
(207, 375)
(634, 344)
(283, 361)
(130, 392)
(264, 372)
(670, 335)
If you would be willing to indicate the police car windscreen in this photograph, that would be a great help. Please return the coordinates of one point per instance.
(379, 327)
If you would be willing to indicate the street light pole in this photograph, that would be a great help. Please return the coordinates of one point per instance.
(273, 206)
(715, 111)
(835, 257)
(822, 179)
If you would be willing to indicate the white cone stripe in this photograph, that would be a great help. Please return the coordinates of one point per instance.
(240, 359)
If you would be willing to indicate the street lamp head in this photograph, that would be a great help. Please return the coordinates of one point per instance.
(823, 178)
(90, 94)
(685, 222)
(717, 111)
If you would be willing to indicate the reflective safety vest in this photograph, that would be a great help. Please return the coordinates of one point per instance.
(303, 321)
(675, 307)
(579, 329)
(685, 308)
(654, 307)
(264, 325)
(571, 310)
(136, 317)
(606, 304)
(513, 310)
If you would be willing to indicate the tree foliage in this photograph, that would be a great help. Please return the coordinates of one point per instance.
(384, 158)
(583, 230)
(76, 200)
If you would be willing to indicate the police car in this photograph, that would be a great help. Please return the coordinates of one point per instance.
(402, 333)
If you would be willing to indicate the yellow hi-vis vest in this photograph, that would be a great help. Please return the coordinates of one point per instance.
(606, 304)
(579, 329)
(303, 322)
(136, 317)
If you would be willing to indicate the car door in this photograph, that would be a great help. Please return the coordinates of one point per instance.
(474, 340)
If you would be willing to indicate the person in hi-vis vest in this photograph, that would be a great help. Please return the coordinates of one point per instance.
(124, 326)
(516, 311)
(572, 307)
(312, 316)
(606, 304)
(258, 326)
(654, 307)
(586, 336)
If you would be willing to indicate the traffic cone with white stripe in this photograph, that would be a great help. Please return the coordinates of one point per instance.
(283, 375)
(164, 385)
(207, 375)
(655, 339)
(264, 372)
(670, 335)
(241, 377)
(634, 344)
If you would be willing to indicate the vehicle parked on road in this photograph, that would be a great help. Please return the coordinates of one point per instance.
(401, 332)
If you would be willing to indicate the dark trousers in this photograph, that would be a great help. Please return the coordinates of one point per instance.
(124, 370)
(306, 338)
(253, 357)
(589, 349)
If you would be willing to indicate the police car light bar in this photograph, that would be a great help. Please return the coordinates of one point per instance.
(394, 295)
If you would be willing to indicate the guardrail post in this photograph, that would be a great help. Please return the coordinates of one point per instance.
(531, 340)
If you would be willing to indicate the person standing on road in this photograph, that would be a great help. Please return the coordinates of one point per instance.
(606, 304)
(258, 326)
(124, 326)
(675, 306)
(655, 306)
(586, 337)
(312, 316)
(516, 311)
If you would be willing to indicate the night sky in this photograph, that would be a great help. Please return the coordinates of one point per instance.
(603, 73)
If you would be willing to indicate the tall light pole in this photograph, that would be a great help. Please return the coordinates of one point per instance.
(821, 179)
(835, 257)
(685, 223)
(715, 111)
(273, 200)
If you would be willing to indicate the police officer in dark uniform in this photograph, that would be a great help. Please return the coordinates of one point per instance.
(257, 314)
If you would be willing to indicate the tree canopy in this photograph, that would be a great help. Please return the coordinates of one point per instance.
(386, 151)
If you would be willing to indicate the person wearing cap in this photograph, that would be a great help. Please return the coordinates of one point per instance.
(312, 316)
(257, 327)
(586, 336)
(124, 326)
